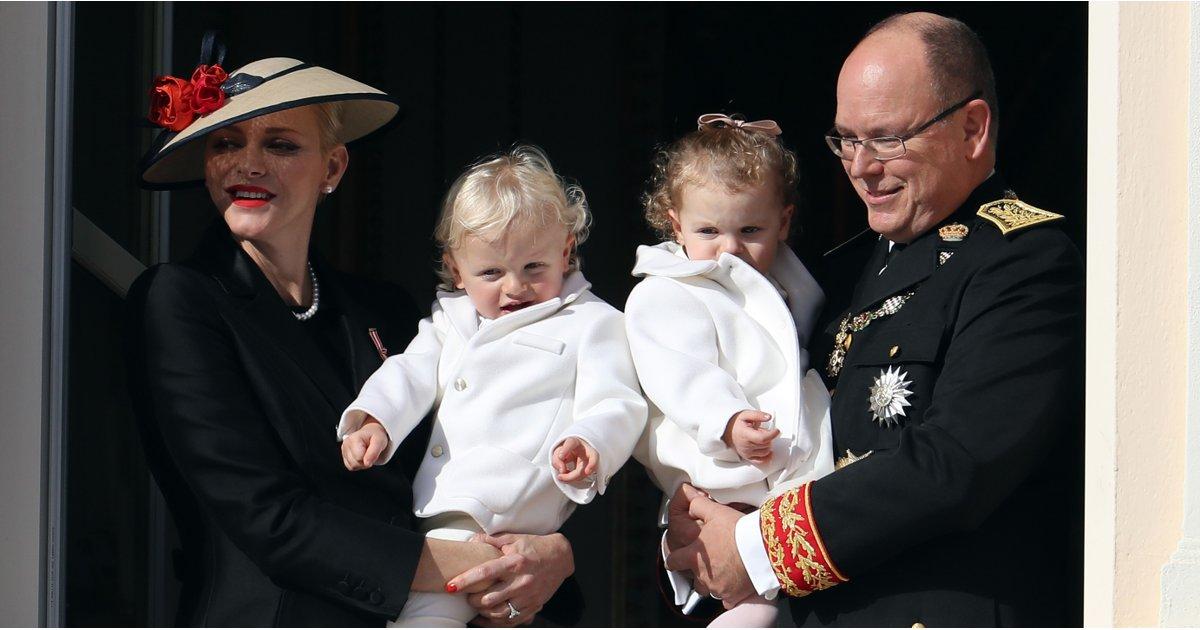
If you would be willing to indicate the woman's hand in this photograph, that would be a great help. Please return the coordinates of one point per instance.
(527, 575)
(361, 449)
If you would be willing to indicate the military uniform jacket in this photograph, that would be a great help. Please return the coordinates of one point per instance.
(965, 509)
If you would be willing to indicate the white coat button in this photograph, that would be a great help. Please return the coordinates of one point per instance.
(436, 451)
(460, 384)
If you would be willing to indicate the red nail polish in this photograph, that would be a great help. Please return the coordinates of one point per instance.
(451, 588)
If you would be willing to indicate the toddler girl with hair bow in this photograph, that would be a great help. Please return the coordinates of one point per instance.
(718, 329)
(528, 373)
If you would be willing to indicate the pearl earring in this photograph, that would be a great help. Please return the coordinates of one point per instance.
(328, 190)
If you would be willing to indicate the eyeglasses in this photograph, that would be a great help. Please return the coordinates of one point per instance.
(886, 148)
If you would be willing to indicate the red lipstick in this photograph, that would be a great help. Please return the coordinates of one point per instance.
(249, 196)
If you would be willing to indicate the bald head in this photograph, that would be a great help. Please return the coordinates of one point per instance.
(956, 60)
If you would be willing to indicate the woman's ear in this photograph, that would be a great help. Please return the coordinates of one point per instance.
(676, 227)
(335, 166)
(455, 272)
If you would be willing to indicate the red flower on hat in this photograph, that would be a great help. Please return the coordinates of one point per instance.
(171, 103)
(175, 103)
(207, 95)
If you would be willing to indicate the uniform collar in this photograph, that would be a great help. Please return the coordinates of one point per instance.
(919, 258)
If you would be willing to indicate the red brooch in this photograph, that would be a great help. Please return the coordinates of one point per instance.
(175, 103)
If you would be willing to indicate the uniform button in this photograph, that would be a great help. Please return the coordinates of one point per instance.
(894, 351)
(436, 451)
(460, 384)
(918, 625)
(376, 597)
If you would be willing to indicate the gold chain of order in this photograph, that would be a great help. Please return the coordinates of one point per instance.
(850, 325)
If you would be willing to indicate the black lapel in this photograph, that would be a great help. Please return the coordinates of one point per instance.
(843, 272)
(267, 314)
(919, 259)
(357, 322)
(869, 275)
(907, 267)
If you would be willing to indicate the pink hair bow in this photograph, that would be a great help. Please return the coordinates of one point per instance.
(769, 127)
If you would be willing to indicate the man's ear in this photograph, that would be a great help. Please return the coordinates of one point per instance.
(455, 272)
(977, 125)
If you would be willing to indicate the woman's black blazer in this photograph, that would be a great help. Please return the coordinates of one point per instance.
(237, 407)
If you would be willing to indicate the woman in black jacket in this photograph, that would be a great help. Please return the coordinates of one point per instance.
(244, 355)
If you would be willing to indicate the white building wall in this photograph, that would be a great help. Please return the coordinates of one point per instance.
(1180, 604)
(1138, 221)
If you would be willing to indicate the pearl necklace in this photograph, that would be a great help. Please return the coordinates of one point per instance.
(316, 303)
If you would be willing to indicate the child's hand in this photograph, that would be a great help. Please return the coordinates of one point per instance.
(575, 459)
(361, 449)
(743, 435)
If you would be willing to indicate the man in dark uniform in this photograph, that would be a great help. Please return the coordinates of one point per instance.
(953, 347)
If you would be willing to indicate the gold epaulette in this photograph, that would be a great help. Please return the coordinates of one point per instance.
(1013, 215)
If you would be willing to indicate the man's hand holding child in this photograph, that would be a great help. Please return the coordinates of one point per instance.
(575, 459)
(745, 435)
(361, 449)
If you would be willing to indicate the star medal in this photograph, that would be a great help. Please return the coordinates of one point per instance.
(888, 396)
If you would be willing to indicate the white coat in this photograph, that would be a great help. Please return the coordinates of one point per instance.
(711, 338)
(506, 394)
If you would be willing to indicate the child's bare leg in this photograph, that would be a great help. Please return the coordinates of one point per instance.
(753, 612)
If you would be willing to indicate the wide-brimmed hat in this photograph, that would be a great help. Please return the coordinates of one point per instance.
(258, 88)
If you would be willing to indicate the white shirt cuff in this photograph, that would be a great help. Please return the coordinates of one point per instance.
(680, 585)
(748, 536)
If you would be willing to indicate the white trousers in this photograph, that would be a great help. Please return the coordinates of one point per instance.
(440, 610)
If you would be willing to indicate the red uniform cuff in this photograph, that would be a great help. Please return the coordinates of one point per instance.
(794, 545)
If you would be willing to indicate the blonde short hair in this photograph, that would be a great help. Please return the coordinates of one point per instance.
(515, 187)
(715, 155)
(329, 120)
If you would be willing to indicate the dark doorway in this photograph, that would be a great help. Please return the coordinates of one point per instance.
(598, 86)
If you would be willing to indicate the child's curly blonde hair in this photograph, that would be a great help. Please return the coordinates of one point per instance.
(717, 154)
(514, 187)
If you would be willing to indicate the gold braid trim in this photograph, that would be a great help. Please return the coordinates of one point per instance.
(775, 550)
(800, 566)
(1012, 215)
